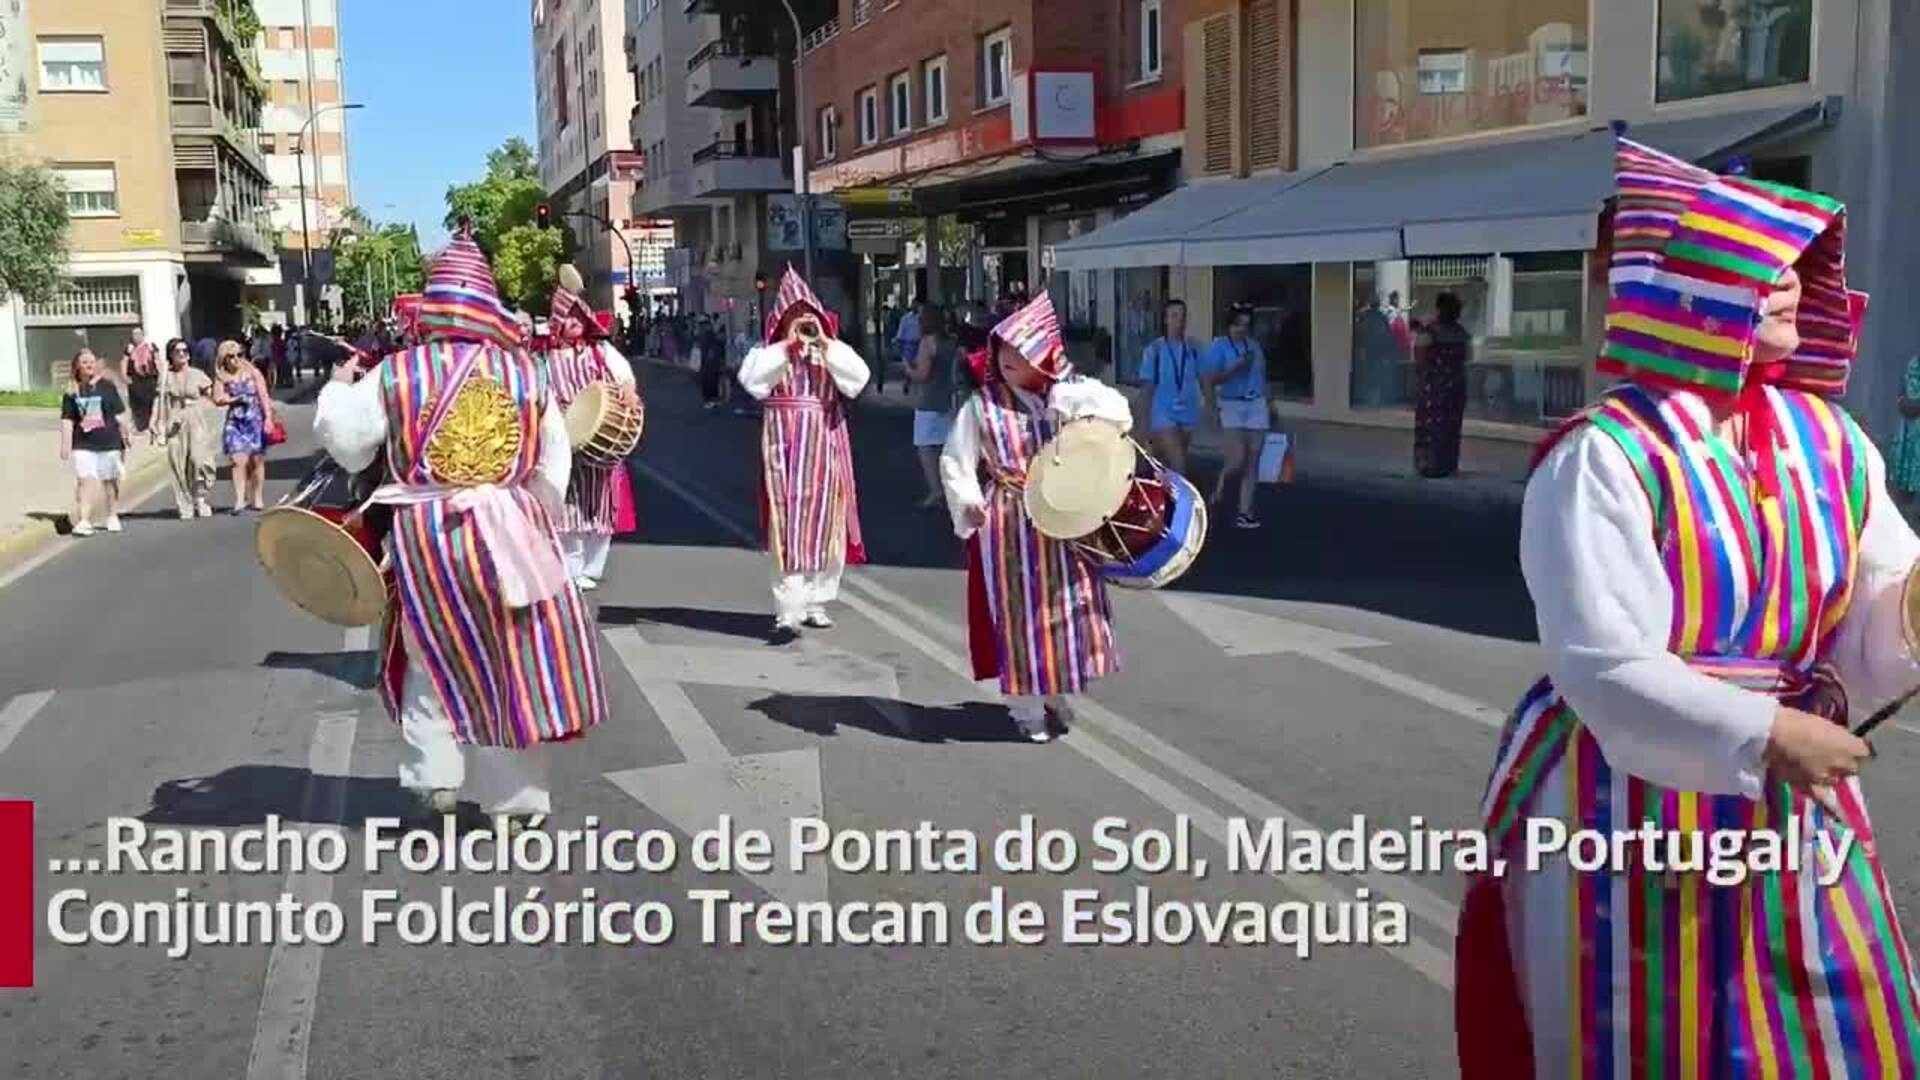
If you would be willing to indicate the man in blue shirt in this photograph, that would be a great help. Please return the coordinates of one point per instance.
(906, 344)
(1171, 369)
(1237, 368)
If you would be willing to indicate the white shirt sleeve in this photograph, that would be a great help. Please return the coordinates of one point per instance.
(619, 368)
(1604, 607)
(1869, 650)
(1080, 398)
(960, 467)
(761, 369)
(849, 372)
(555, 466)
(350, 421)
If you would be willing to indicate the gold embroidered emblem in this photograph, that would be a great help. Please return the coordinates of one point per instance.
(479, 440)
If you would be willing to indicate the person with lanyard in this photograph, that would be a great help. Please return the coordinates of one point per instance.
(489, 655)
(1038, 618)
(1237, 369)
(1170, 370)
(1723, 593)
(805, 376)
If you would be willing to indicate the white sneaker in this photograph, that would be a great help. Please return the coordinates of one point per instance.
(586, 584)
(818, 619)
(113, 524)
(186, 513)
(1035, 730)
(83, 529)
(203, 509)
(785, 626)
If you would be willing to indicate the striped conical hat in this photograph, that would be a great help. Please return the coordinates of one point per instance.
(461, 301)
(1694, 256)
(571, 316)
(795, 296)
(1034, 331)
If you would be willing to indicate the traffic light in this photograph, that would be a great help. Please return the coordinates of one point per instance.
(760, 282)
(543, 216)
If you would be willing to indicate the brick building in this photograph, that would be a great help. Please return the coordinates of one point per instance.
(966, 140)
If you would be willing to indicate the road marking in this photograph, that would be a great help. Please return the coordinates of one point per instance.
(359, 638)
(1240, 632)
(13, 718)
(758, 791)
(1429, 959)
(284, 1025)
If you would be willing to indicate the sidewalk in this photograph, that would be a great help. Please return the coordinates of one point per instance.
(37, 488)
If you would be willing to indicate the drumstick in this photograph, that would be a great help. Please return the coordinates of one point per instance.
(1886, 712)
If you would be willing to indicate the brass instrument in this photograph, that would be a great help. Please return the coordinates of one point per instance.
(807, 329)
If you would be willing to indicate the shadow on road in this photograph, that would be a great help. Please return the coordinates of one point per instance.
(752, 626)
(249, 794)
(355, 669)
(971, 721)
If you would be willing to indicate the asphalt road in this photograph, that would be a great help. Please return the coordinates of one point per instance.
(1350, 659)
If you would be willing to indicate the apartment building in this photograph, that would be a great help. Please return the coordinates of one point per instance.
(1349, 160)
(304, 137)
(148, 114)
(708, 121)
(1000, 129)
(587, 163)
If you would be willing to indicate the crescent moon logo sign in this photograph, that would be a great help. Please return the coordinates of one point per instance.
(1063, 98)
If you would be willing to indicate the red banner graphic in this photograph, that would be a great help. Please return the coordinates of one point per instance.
(16, 894)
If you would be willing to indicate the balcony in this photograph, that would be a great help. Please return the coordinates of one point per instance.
(721, 76)
(196, 124)
(730, 168)
(219, 239)
(702, 7)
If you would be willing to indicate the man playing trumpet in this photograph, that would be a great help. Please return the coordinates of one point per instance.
(804, 376)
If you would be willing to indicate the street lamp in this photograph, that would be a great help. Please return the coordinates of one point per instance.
(306, 241)
(800, 123)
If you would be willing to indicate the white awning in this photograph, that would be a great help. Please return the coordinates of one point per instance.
(1152, 235)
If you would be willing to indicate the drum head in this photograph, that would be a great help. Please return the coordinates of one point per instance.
(1079, 480)
(319, 567)
(584, 415)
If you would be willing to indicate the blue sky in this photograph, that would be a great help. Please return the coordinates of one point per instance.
(443, 82)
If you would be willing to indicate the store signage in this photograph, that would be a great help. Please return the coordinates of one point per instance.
(140, 236)
(877, 229)
(1055, 107)
(626, 166)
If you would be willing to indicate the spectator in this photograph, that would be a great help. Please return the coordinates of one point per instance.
(713, 365)
(141, 367)
(183, 425)
(205, 352)
(906, 343)
(93, 435)
(241, 389)
(1170, 369)
(260, 347)
(1442, 352)
(932, 366)
(1237, 368)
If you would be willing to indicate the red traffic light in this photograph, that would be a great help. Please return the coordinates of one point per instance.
(543, 215)
(760, 282)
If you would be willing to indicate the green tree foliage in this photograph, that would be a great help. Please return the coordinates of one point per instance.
(33, 231)
(502, 200)
(375, 265)
(526, 263)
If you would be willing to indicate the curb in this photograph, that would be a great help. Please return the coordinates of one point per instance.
(142, 483)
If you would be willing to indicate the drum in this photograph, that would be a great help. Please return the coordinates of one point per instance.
(1156, 534)
(324, 558)
(604, 424)
(1079, 479)
(1095, 488)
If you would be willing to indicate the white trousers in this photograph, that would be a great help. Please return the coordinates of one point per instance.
(795, 594)
(586, 553)
(502, 781)
(1031, 709)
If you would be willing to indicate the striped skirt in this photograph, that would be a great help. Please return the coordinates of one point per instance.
(807, 479)
(1052, 626)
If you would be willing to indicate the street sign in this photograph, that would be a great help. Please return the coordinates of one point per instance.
(875, 196)
(877, 229)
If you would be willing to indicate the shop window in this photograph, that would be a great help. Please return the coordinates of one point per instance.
(996, 67)
(936, 90)
(1445, 68)
(1139, 295)
(1712, 47)
(73, 65)
(869, 116)
(1282, 302)
(91, 190)
(1527, 316)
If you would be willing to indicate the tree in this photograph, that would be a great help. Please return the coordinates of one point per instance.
(377, 264)
(500, 201)
(33, 231)
(526, 263)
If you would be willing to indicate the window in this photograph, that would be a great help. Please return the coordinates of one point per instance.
(1721, 46)
(900, 104)
(1149, 39)
(996, 67)
(186, 77)
(560, 92)
(869, 116)
(936, 90)
(91, 190)
(73, 65)
(1445, 68)
(829, 132)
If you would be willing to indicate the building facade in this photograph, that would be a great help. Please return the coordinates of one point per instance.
(965, 141)
(148, 114)
(709, 122)
(304, 136)
(587, 165)
(1463, 146)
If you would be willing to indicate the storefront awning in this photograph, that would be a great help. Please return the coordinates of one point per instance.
(1152, 235)
(1542, 194)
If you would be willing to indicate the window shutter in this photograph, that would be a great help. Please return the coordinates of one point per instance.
(1269, 84)
(1212, 96)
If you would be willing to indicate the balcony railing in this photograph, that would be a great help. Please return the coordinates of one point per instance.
(204, 118)
(820, 35)
(727, 148)
(716, 49)
(221, 235)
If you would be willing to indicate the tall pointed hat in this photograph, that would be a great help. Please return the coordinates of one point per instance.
(1034, 331)
(571, 317)
(1694, 258)
(795, 297)
(460, 301)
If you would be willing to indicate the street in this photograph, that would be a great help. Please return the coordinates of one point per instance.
(1354, 657)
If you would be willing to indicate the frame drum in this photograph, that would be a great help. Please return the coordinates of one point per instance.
(1079, 479)
(324, 561)
(604, 424)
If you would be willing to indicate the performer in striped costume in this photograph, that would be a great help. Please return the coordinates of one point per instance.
(1718, 575)
(599, 497)
(1037, 610)
(804, 376)
(497, 646)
